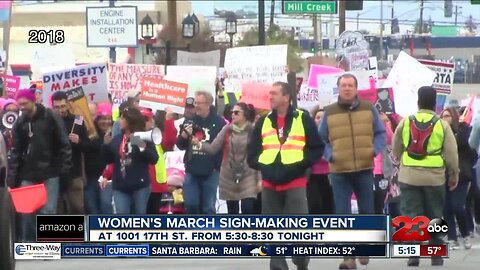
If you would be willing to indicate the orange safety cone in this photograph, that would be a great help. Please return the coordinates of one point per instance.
(29, 199)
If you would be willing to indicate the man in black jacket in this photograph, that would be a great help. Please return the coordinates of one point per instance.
(283, 145)
(71, 188)
(41, 153)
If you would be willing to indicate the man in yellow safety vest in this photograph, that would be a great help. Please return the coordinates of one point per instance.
(283, 145)
(427, 149)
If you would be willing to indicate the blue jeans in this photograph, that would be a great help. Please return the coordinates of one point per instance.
(98, 201)
(454, 207)
(344, 184)
(28, 221)
(134, 202)
(200, 193)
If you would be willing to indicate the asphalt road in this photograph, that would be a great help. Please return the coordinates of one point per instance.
(459, 260)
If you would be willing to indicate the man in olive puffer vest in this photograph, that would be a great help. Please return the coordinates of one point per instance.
(353, 135)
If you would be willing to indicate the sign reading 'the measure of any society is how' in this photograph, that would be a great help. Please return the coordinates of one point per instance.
(112, 27)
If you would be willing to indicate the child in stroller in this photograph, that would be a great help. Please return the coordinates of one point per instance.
(172, 201)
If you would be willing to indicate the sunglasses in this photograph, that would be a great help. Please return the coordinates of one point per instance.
(236, 112)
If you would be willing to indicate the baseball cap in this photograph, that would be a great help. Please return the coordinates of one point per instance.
(189, 102)
(146, 112)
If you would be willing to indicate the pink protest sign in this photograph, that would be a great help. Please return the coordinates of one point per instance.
(256, 94)
(12, 83)
(316, 70)
(381, 98)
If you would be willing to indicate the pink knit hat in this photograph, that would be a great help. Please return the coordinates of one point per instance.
(2, 100)
(104, 109)
(27, 94)
(8, 102)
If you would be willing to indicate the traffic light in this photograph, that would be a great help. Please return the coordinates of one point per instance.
(312, 47)
(448, 9)
(395, 26)
(354, 5)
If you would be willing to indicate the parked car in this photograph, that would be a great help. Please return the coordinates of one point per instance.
(7, 215)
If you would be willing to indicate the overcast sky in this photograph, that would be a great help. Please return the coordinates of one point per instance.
(406, 9)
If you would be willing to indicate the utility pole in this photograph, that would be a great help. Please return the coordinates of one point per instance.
(421, 17)
(113, 52)
(393, 13)
(261, 22)
(315, 31)
(342, 5)
(272, 12)
(381, 29)
(172, 30)
(457, 13)
(358, 16)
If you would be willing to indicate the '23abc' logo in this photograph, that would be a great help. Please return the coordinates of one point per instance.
(435, 228)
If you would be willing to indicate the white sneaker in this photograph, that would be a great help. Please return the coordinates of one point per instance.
(453, 245)
(466, 243)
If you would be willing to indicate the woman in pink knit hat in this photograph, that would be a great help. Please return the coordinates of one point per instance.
(98, 199)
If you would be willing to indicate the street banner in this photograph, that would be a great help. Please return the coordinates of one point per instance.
(443, 81)
(261, 64)
(11, 85)
(256, 94)
(125, 77)
(198, 78)
(158, 94)
(316, 70)
(79, 106)
(406, 77)
(211, 58)
(92, 78)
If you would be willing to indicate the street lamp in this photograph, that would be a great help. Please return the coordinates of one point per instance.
(231, 26)
(197, 22)
(147, 27)
(188, 27)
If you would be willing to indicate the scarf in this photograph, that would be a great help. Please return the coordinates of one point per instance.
(239, 129)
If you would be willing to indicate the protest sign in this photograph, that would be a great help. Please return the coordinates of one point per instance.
(441, 99)
(350, 41)
(262, 64)
(49, 58)
(211, 58)
(363, 78)
(316, 70)
(79, 106)
(256, 94)
(125, 77)
(307, 98)
(381, 98)
(406, 77)
(373, 67)
(443, 81)
(92, 78)
(198, 78)
(357, 60)
(159, 94)
(327, 89)
(11, 85)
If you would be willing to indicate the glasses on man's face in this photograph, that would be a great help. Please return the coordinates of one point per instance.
(236, 112)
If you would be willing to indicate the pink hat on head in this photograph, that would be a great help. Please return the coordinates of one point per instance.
(8, 102)
(27, 94)
(104, 109)
(2, 100)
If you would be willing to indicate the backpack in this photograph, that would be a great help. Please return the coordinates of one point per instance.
(420, 134)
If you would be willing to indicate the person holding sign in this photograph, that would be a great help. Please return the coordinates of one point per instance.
(72, 186)
(283, 145)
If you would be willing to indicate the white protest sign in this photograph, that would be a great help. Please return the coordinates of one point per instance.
(50, 58)
(125, 77)
(92, 78)
(112, 27)
(406, 77)
(357, 60)
(174, 160)
(350, 41)
(307, 98)
(211, 58)
(198, 78)
(327, 89)
(443, 82)
(363, 78)
(262, 64)
(373, 68)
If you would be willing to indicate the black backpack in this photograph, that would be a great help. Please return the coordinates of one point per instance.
(420, 133)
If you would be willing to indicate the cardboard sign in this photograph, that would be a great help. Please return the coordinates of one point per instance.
(381, 98)
(262, 64)
(79, 106)
(443, 81)
(211, 58)
(125, 77)
(256, 94)
(159, 94)
(316, 70)
(198, 78)
(406, 77)
(92, 78)
(11, 85)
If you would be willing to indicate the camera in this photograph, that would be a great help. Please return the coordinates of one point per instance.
(196, 129)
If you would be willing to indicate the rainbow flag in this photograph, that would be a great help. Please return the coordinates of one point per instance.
(5, 10)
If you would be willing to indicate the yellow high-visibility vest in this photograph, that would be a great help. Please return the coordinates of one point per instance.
(115, 114)
(291, 151)
(434, 158)
(160, 169)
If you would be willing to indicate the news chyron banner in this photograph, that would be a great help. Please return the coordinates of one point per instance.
(223, 236)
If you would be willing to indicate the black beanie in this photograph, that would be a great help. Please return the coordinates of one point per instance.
(427, 98)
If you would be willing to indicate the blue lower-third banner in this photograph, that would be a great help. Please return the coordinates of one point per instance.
(222, 250)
